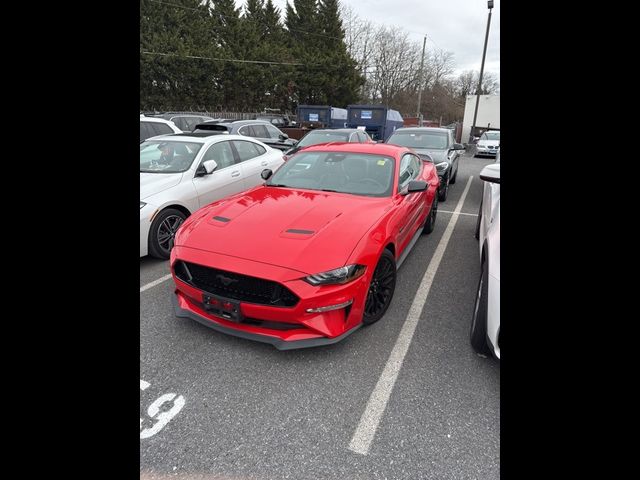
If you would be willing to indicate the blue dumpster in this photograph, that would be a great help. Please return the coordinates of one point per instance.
(321, 116)
(379, 121)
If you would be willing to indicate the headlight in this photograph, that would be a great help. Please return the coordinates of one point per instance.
(142, 204)
(337, 276)
(442, 165)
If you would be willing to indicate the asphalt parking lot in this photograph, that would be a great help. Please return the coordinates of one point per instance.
(236, 409)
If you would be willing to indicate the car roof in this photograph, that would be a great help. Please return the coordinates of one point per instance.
(204, 139)
(424, 129)
(372, 148)
(341, 130)
(155, 119)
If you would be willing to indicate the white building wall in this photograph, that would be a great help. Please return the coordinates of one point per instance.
(488, 113)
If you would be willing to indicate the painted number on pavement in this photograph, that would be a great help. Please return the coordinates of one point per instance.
(160, 412)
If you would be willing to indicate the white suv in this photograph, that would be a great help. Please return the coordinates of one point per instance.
(152, 127)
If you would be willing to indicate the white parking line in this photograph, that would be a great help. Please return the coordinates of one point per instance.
(366, 430)
(155, 282)
(458, 213)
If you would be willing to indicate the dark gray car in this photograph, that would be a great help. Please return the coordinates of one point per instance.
(263, 131)
(436, 145)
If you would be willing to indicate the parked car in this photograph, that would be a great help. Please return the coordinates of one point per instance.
(485, 324)
(489, 144)
(185, 121)
(263, 131)
(326, 135)
(436, 144)
(277, 120)
(310, 256)
(181, 173)
(152, 127)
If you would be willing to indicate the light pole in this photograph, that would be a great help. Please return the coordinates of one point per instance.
(484, 53)
(424, 44)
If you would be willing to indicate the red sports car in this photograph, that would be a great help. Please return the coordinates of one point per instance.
(311, 255)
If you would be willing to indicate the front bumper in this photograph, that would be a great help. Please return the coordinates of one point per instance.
(486, 151)
(182, 309)
(146, 214)
(283, 327)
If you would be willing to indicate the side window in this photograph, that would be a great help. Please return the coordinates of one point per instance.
(247, 131)
(259, 131)
(145, 131)
(354, 137)
(180, 122)
(273, 131)
(406, 171)
(246, 150)
(365, 137)
(161, 128)
(220, 152)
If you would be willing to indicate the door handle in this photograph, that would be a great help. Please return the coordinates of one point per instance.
(235, 174)
(264, 163)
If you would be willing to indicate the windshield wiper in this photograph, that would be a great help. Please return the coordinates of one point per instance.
(276, 185)
(328, 190)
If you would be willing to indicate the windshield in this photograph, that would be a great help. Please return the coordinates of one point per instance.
(490, 136)
(167, 156)
(354, 173)
(426, 140)
(314, 138)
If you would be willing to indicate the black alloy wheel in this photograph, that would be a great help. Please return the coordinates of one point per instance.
(381, 288)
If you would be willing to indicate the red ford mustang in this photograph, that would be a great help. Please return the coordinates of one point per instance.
(311, 255)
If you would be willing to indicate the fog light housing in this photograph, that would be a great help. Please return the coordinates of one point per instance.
(329, 308)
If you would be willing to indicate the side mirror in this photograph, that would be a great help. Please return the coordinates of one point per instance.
(491, 173)
(416, 186)
(458, 146)
(284, 136)
(266, 174)
(206, 168)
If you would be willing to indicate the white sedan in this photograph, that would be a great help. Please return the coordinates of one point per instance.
(181, 173)
(489, 144)
(485, 325)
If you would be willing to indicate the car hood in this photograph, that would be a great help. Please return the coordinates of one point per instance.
(437, 155)
(152, 183)
(484, 143)
(307, 231)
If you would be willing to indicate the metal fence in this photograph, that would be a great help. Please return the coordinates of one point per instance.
(215, 114)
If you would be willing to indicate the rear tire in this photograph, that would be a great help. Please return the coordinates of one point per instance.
(477, 235)
(430, 221)
(478, 333)
(381, 288)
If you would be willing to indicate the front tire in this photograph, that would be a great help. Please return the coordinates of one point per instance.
(443, 192)
(454, 178)
(478, 333)
(381, 288)
(162, 232)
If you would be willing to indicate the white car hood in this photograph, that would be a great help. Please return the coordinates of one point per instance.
(152, 183)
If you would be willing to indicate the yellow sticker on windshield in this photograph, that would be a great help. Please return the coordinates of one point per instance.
(381, 162)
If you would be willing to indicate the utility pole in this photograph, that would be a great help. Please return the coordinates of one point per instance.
(484, 53)
(424, 44)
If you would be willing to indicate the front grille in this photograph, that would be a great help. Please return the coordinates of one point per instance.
(235, 286)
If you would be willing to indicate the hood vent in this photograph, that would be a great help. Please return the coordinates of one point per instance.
(301, 232)
(222, 219)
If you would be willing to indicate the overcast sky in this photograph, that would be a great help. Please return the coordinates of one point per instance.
(456, 26)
